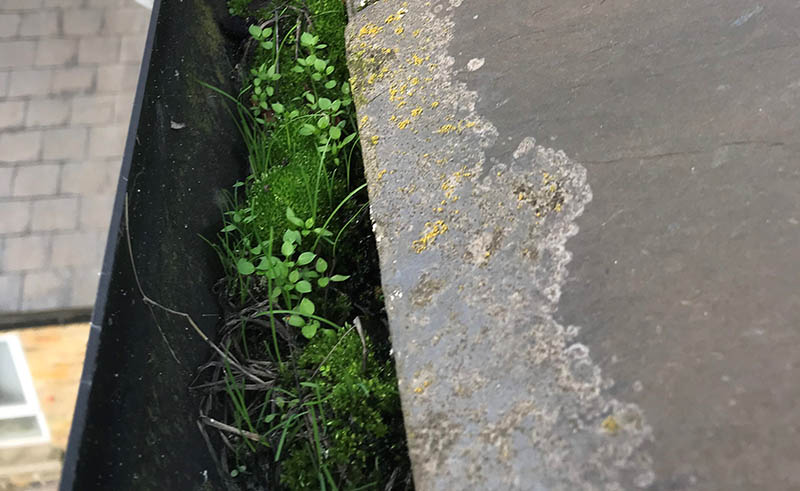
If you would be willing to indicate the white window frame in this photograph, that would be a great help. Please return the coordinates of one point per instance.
(30, 408)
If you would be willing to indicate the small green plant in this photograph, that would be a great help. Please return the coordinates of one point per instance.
(294, 274)
(264, 78)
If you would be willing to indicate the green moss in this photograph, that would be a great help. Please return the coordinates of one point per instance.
(294, 163)
(330, 19)
(286, 184)
(363, 423)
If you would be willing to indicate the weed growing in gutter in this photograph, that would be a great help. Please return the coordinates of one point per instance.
(306, 396)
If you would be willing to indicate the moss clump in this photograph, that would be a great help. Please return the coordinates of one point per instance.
(289, 182)
(363, 427)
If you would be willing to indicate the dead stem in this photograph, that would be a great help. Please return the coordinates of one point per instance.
(230, 429)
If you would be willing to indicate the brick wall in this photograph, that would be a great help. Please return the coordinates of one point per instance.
(68, 71)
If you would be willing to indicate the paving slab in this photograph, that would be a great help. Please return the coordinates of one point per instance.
(587, 220)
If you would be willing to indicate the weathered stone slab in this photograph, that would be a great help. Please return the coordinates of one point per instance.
(667, 357)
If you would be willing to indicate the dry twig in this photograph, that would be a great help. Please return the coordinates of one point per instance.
(230, 429)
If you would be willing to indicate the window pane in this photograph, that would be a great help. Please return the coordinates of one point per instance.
(10, 387)
(12, 429)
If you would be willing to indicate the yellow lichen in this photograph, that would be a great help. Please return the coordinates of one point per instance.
(374, 139)
(396, 16)
(610, 425)
(381, 173)
(414, 80)
(432, 230)
(416, 32)
(402, 124)
(399, 30)
(445, 129)
(369, 29)
(434, 104)
(416, 111)
(364, 120)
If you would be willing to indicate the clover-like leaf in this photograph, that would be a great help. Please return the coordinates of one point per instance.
(255, 31)
(287, 249)
(309, 330)
(307, 39)
(293, 218)
(305, 258)
(306, 307)
(245, 267)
